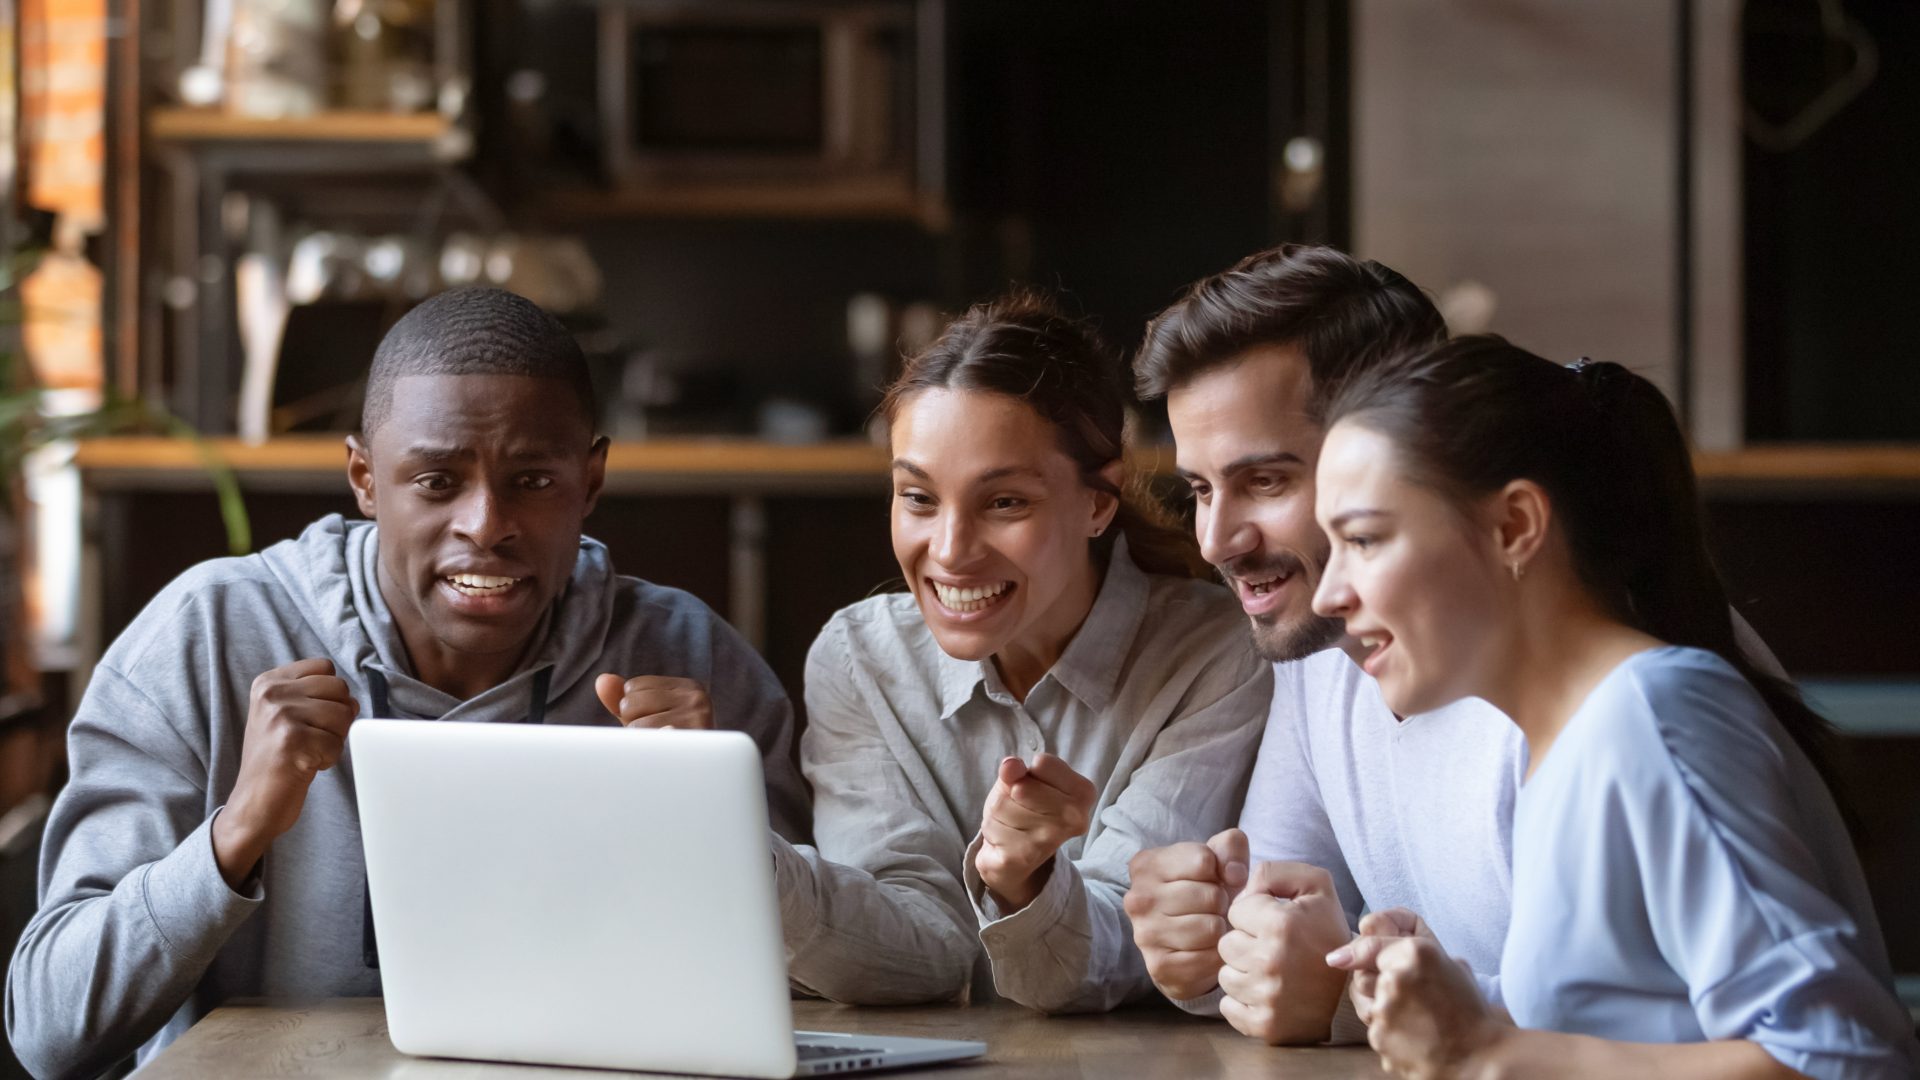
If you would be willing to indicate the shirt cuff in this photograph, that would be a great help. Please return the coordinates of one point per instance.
(1029, 923)
(793, 878)
(192, 907)
(1347, 1027)
(1208, 1004)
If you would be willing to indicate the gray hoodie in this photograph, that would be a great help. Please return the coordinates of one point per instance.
(138, 935)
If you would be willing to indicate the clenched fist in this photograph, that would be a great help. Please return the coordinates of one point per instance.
(1030, 812)
(656, 701)
(297, 719)
(1177, 900)
(1274, 970)
(1427, 1019)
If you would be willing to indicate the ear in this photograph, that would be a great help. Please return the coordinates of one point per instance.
(596, 472)
(1105, 503)
(1521, 515)
(360, 474)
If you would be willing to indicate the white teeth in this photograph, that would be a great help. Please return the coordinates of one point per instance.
(972, 599)
(1262, 588)
(1370, 642)
(480, 582)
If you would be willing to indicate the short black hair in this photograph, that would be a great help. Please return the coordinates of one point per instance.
(476, 331)
(1344, 313)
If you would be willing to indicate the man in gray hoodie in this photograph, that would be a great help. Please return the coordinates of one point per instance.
(208, 844)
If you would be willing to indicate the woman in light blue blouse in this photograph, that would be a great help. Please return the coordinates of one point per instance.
(1686, 900)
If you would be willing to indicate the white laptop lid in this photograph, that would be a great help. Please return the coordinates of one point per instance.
(574, 895)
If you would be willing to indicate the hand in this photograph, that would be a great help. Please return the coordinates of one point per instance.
(1391, 923)
(1278, 986)
(656, 701)
(1177, 901)
(1030, 812)
(1428, 1018)
(297, 719)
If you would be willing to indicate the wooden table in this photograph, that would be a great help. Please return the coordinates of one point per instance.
(347, 1037)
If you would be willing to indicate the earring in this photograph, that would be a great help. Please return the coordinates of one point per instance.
(1097, 530)
(1517, 569)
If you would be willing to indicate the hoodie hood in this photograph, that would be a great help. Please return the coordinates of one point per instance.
(330, 572)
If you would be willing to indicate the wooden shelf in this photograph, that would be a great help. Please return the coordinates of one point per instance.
(318, 463)
(852, 460)
(1805, 462)
(209, 125)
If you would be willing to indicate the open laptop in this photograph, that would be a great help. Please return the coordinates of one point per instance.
(586, 896)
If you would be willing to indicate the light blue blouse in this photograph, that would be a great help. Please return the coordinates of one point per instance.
(1681, 873)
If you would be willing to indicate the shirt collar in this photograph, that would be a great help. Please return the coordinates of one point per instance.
(1089, 669)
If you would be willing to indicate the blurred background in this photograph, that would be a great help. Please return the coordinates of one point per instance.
(747, 210)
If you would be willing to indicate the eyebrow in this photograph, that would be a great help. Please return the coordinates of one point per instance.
(446, 455)
(1346, 516)
(1000, 473)
(1240, 465)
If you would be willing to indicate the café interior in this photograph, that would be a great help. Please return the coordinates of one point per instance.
(749, 213)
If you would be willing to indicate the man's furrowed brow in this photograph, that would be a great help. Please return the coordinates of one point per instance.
(1268, 459)
(435, 454)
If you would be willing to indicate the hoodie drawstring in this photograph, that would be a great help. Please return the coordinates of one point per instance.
(377, 683)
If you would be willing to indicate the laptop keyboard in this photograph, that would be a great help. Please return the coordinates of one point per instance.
(816, 1051)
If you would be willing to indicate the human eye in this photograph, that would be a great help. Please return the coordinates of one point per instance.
(916, 501)
(1360, 542)
(1200, 492)
(1008, 503)
(1267, 483)
(536, 481)
(434, 483)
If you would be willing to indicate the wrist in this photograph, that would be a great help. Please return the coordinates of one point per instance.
(1494, 1052)
(238, 844)
(1014, 892)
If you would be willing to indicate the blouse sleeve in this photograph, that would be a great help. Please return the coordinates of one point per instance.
(1745, 864)
(873, 912)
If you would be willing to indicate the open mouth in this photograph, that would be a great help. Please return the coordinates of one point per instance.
(481, 585)
(970, 600)
(1375, 643)
(1259, 595)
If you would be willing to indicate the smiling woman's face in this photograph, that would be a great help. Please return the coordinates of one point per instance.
(1417, 580)
(991, 523)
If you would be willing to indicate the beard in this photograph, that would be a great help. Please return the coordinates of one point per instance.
(1279, 641)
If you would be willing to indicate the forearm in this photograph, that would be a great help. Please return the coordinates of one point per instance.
(1520, 1053)
(95, 976)
(858, 938)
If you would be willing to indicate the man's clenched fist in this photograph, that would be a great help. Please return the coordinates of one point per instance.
(656, 701)
(297, 719)
(1177, 900)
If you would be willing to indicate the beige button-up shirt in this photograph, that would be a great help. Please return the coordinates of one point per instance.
(1159, 700)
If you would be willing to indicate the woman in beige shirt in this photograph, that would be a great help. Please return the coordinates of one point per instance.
(1058, 688)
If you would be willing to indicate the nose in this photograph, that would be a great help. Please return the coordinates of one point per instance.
(1224, 533)
(954, 539)
(484, 519)
(1335, 598)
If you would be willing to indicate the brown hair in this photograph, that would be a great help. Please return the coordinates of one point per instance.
(1342, 312)
(1022, 346)
(1475, 413)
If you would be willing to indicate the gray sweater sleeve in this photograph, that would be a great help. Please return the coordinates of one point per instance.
(875, 914)
(132, 904)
